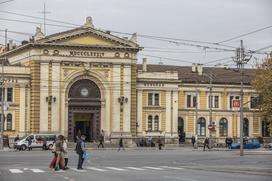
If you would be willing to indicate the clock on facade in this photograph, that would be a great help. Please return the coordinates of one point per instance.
(84, 92)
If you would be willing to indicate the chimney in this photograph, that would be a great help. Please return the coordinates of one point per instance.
(200, 69)
(193, 67)
(144, 64)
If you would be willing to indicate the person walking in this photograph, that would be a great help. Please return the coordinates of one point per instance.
(59, 153)
(44, 143)
(206, 143)
(17, 138)
(53, 161)
(121, 144)
(193, 140)
(101, 141)
(29, 142)
(159, 143)
(65, 153)
(229, 142)
(80, 150)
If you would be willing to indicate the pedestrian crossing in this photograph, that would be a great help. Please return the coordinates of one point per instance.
(99, 169)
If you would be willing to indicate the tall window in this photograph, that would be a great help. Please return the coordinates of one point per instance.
(153, 123)
(9, 94)
(223, 127)
(149, 123)
(9, 122)
(232, 98)
(1, 94)
(265, 128)
(201, 127)
(246, 127)
(153, 99)
(150, 99)
(215, 101)
(254, 102)
(156, 123)
(191, 101)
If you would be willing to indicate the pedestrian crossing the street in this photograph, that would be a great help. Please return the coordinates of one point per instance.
(98, 169)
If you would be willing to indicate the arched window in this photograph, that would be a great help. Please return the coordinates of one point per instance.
(223, 127)
(9, 122)
(149, 123)
(201, 127)
(265, 128)
(156, 123)
(246, 127)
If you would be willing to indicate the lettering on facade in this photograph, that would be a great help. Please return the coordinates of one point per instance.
(87, 54)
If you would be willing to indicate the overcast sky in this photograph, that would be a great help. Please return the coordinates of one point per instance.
(200, 20)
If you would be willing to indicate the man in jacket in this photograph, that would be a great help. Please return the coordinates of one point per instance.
(80, 149)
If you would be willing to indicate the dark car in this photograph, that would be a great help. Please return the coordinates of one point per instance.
(248, 144)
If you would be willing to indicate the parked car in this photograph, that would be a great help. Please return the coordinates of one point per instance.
(269, 145)
(37, 141)
(248, 144)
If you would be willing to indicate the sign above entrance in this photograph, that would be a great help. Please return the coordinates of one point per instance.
(87, 54)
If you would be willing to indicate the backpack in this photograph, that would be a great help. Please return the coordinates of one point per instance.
(78, 148)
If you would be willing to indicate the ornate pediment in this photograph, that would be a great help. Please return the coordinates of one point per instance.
(88, 35)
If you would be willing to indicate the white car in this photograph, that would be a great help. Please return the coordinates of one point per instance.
(36, 141)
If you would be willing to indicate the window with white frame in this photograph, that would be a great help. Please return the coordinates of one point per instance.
(191, 100)
(223, 127)
(149, 123)
(153, 99)
(8, 92)
(231, 98)
(215, 101)
(153, 123)
(201, 127)
(9, 122)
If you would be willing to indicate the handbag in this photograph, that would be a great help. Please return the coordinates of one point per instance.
(85, 156)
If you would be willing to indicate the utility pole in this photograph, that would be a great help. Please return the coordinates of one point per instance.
(241, 60)
(3, 96)
(210, 110)
(44, 12)
(196, 117)
(241, 66)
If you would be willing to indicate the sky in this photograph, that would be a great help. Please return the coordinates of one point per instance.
(210, 21)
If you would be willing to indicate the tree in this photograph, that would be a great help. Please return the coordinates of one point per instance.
(263, 85)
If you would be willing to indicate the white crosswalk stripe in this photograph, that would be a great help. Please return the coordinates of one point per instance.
(99, 169)
(96, 169)
(117, 169)
(35, 170)
(15, 171)
(153, 168)
(135, 168)
(174, 168)
(77, 170)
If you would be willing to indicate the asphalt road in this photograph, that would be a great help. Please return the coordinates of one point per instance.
(136, 165)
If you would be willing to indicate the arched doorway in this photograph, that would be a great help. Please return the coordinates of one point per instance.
(84, 107)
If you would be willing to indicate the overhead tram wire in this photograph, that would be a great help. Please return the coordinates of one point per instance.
(245, 34)
(6, 1)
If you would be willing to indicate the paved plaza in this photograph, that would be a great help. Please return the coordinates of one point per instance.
(134, 165)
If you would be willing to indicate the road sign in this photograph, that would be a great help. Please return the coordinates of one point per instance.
(236, 105)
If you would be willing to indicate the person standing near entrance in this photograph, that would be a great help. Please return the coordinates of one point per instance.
(193, 140)
(65, 153)
(206, 143)
(80, 150)
(101, 140)
(121, 144)
(159, 143)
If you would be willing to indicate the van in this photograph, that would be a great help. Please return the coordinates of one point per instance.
(37, 141)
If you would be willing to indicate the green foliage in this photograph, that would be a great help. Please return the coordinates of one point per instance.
(263, 85)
